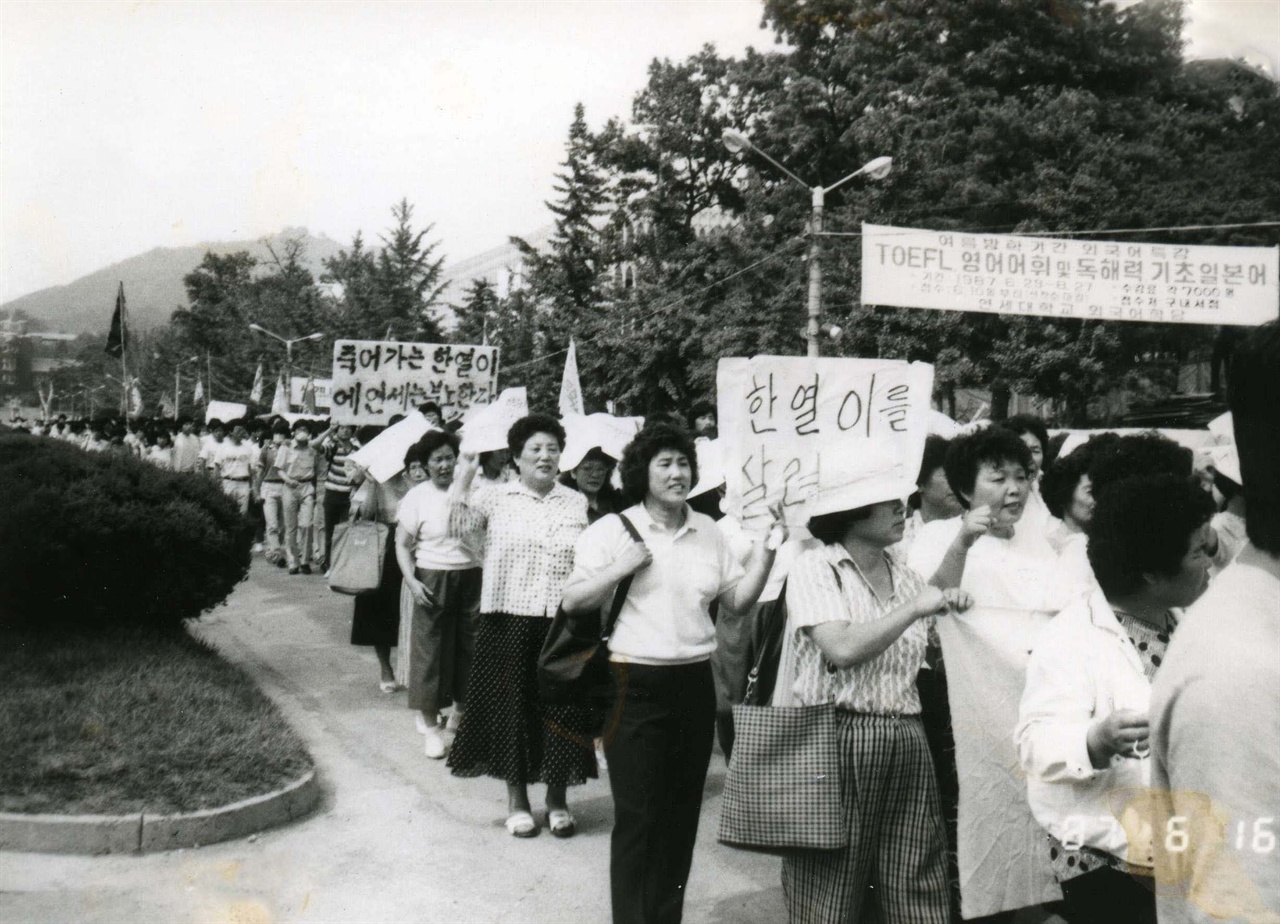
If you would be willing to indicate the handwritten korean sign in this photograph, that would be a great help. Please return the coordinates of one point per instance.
(374, 380)
(1053, 277)
(845, 432)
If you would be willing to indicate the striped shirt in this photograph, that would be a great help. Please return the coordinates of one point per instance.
(885, 685)
(339, 477)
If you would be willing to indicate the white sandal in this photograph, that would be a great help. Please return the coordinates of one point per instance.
(561, 822)
(521, 824)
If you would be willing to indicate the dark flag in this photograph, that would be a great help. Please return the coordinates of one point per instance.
(117, 340)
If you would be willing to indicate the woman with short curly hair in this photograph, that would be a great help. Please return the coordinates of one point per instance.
(658, 737)
(1083, 726)
(530, 526)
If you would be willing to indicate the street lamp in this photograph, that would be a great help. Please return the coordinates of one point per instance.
(288, 342)
(876, 169)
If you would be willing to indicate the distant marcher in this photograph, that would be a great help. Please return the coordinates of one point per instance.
(337, 444)
(1215, 712)
(375, 617)
(160, 452)
(443, 578)
(271, 489)
(296, 463)
(186, 447)
(530, 526)
(702, 418)
(236, 461)
(591, 477)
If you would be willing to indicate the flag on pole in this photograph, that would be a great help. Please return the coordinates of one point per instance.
(135, 399)
(166, 405)
(199, 395)
(570, 388)
(255, 394)
(117, 339)
(280, 403)
(309, 396)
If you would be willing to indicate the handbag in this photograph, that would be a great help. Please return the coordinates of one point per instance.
(358, 555)
(783, 790)
(573, 666)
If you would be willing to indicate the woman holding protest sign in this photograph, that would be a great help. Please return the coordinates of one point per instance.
(659, 734)
(529, 527)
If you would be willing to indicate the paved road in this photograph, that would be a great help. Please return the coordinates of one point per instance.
(397, 838)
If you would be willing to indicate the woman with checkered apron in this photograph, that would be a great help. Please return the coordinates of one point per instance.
(858, 620)
(658, 735)
(527, 529)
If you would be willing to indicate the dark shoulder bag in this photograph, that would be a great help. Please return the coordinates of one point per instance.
(573, 666)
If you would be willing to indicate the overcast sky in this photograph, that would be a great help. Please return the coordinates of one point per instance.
(128, 126)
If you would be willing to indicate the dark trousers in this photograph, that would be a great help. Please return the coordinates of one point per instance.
(658, 743)
(1107, 896)
(337, 504)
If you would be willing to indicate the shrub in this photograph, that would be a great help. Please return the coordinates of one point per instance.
(100, 539)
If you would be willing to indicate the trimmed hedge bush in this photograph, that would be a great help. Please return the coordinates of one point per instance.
(99, 539)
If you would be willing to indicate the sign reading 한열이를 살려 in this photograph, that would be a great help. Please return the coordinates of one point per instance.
(1056, 277)
(799, 432)
(375, 380)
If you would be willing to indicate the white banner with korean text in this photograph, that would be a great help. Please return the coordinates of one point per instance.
(1059, 278)
(298, 391)
(819, 435)
(375, 380)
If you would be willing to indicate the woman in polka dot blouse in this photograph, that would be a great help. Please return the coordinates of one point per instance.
(529, 528)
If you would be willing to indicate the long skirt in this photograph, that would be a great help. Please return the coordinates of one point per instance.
(507, 732)
(376, 620)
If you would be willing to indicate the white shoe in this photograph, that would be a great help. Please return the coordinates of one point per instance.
(435, 745)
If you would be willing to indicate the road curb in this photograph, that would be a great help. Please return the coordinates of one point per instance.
(145, 833)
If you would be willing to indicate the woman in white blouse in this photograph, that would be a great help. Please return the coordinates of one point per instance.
(1083, 732)
(658, 736)
(529, 528)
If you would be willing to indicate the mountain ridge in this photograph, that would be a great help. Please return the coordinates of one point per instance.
(152, 280)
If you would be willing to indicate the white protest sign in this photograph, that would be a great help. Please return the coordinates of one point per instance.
(383, 456)
(819, 435)
(609, 433)
(485, 428)
(224, 411)
(324, 392)
(374, 380)
(1055, 277)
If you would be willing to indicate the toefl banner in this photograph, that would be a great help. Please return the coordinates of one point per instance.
(1053, 277)
(374, 380)
(819, 434)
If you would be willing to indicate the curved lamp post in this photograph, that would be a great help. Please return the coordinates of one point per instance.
(876, 169)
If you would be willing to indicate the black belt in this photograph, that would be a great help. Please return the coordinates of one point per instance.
(228, 478)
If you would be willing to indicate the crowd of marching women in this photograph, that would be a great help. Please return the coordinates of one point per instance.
(1120, 592)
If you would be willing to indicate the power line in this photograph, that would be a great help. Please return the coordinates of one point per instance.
(792, 245)
(1222, 227)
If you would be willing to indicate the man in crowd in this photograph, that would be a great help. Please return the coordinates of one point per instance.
(235, 461)
(1215, 712)
(186, 447)
(296, 463)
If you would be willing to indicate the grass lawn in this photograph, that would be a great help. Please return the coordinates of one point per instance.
(134, 720)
